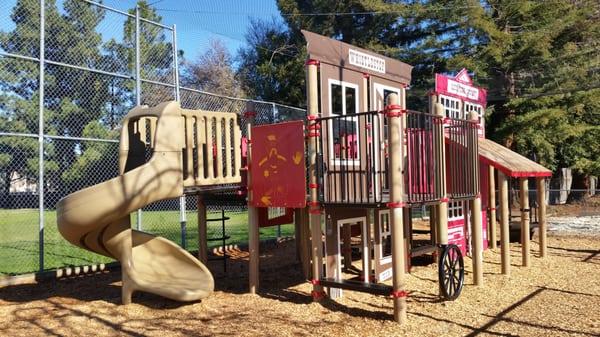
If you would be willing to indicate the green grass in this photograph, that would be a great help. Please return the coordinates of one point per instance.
(19, 237)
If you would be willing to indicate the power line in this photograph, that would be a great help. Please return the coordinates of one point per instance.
(434, 9)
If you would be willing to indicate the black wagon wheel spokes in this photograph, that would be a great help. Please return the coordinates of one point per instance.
(451, 272)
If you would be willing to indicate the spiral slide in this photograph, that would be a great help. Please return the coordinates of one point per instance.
(98, 218)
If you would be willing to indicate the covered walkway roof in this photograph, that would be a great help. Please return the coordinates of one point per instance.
(508, 162)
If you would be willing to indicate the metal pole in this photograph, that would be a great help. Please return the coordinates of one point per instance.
(138, 89)
(41, 134)
(182, 214)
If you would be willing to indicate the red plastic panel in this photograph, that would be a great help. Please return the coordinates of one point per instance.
(278, 165)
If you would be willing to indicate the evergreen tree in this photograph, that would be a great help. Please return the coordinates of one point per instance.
(272, 66)
(540, 61)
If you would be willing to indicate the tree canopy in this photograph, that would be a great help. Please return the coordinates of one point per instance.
(539, 61)
(77, 103)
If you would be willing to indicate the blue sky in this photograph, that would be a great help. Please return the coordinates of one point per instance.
(198, 21)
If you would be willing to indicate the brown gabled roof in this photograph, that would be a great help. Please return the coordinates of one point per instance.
(336, 53)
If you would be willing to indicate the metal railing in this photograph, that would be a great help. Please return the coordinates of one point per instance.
(351, 161)
(422, 158)
(462, 158)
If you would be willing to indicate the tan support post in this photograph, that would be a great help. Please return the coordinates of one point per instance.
(302, 239)
(396, 132)
(202, 231)
(504, 223)
(541, 198)
(315, 209)
(524, 196)
(476, 224)
(440, 178)
(253, 234)
(492, 206)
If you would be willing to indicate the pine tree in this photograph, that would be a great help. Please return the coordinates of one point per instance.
(541, 62)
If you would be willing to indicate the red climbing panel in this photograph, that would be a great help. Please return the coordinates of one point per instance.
(278, 166)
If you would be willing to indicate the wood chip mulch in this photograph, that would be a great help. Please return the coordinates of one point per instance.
(556, 296)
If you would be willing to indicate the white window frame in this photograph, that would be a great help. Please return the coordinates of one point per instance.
(455, 210)
(379, 105)
(474, 107)
(452, 107)
(344, 85)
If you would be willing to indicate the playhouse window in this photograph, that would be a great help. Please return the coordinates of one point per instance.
(344, 102)
(451, 107)
(474, 107)
(455, 210)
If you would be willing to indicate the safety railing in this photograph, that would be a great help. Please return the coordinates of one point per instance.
(423, 157)
(462, 149)
(210, 145)
(212, 150)
(351, 161)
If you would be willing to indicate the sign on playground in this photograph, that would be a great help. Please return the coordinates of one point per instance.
(278, 165)
(461, 87)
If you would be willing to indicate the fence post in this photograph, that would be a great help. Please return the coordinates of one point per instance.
(41, 134)
(138, 89)
(182, 204)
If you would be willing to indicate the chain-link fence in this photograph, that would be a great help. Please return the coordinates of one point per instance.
(68, 74)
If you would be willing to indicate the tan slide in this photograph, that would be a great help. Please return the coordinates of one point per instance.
(98, 218)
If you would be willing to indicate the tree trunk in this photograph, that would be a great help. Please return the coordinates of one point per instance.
(579, 187)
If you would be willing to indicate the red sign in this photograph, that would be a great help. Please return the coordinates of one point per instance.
(461, 87)
(278, 165)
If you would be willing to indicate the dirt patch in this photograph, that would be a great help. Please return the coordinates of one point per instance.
(559, 295)
(586, 207)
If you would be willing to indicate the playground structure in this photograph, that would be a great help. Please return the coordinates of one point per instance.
(358, 164)
(98, 218)
(371, 160)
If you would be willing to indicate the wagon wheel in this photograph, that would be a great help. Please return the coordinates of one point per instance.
(451, 269)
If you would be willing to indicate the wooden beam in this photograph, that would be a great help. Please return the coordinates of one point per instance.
(476, 224)
(202, 231)
(492, 205)
(504, 223)
(441, 215)
(312, 88)
(395, 132)
(542, 226)
(253, 233)
(524, 197)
